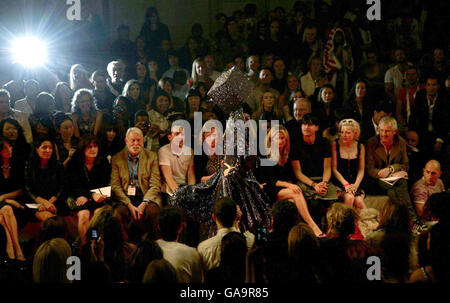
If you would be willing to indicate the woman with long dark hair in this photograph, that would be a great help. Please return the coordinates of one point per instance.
(153, 30)
(132, 90)
(11, 178)
(44, 180)
(13, 132)
(87, 171)
(148, 85)
(111, 138)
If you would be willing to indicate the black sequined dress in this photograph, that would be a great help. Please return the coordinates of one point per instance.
(240, 184)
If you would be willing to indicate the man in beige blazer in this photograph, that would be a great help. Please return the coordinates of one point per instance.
(136, 182)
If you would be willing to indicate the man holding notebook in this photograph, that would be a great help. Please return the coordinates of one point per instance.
(387, 166)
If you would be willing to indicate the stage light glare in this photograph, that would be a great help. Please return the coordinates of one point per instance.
(29, 51)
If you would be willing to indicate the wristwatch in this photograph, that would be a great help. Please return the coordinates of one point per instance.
(391, 169)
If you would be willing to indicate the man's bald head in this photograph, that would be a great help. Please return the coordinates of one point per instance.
(432, 172)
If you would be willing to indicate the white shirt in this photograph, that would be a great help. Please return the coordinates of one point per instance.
(209, 249)
(178, 163)
(184, 259)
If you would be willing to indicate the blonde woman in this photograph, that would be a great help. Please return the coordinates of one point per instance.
(348, 163)
(79, 78)
(199, 74)
(268, 107)
(277, 179)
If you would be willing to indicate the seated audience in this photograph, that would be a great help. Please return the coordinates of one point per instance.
(146, 252)
(110, 138)
(115, 82)
(160, 271)
(231, 269)
(27, 104)
(311, 163)
(159, 125)
(167, 85)
(429, 117)
(267, 108)
(284, 217)
(87, 119)
(226, 217)
(176, 161)
(66, 142)
(63, 97)
(110, 249)
(302, 250)
(348, 163)
(132, 90)
(265, 78)
(11, 179)
(278, 180)
(78, 78)
(135, 182)
(386, 157)
(50, 262)
(370, 124)
(300, 108)
(429, 184)
(416, 156)
(12, 131)
(7, 112)
(103, 97)
(87, 171)
(44, 180)
(184, 259)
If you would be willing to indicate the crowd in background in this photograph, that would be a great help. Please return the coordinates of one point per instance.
(358, 102)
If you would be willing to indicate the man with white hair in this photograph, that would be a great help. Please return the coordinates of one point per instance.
(386, 157)
(135, 180)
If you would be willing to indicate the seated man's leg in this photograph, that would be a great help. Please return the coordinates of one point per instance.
(401, 188)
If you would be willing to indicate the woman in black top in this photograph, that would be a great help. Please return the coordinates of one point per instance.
(66, 142)
(44, 180)
(11, 180)
(13, 132)
(348, 162)
(325, 109)
(277, 179)
(360, 105)
(111, 138)
(86, 171)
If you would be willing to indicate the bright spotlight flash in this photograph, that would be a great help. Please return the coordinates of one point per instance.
(29, 51)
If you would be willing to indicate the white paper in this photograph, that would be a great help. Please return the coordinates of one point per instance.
(32, 205)
(390, 179)
(103, 191)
